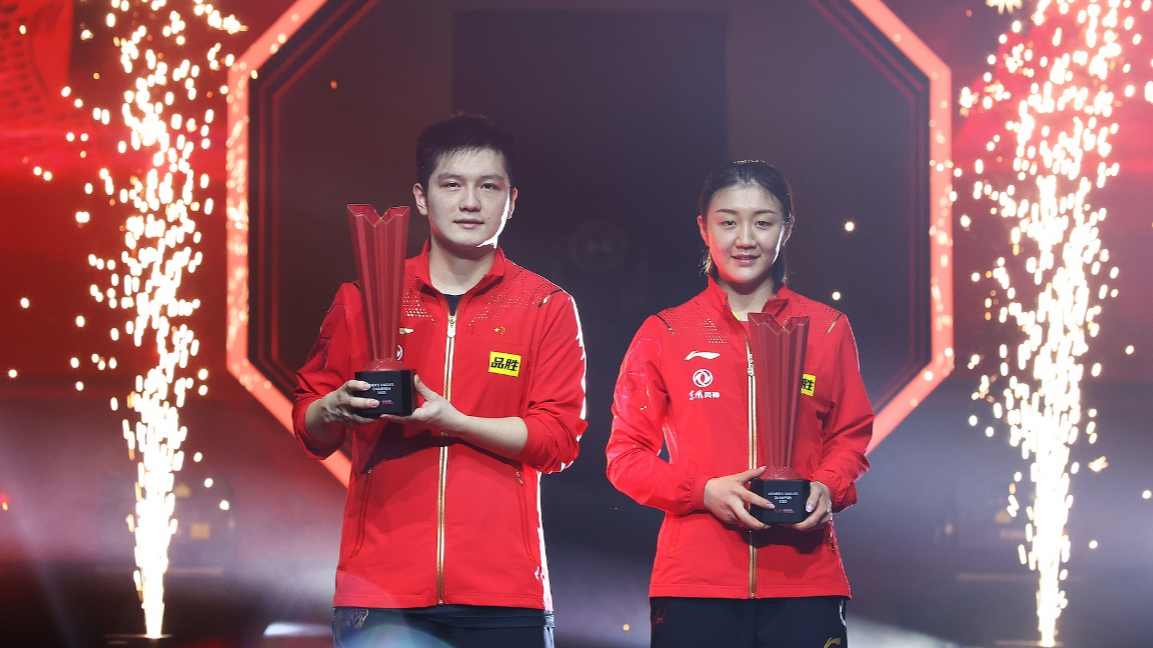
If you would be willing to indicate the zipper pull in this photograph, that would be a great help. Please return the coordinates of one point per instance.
(750, 364)
(518, 478)
(452, 326)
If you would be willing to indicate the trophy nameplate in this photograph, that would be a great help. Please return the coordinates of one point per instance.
(788, 495)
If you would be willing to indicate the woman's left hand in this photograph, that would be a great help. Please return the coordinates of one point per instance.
(820, 507)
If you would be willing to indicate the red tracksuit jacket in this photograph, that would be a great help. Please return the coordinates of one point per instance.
(430, 520)
(706, 428)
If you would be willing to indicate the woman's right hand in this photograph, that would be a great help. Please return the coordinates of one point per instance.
(726, 498)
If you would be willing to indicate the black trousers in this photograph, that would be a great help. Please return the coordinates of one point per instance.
(809, 622)
(401, 628)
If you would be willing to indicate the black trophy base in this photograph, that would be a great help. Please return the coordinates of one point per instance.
(787, 495)
(393, 389)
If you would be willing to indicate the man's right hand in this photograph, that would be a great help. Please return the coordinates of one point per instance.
(338, 409)
(726, 498)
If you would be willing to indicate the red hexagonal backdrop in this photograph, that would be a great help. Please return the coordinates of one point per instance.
(325, 105)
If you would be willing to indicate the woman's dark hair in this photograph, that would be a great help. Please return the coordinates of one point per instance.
(749, 172)
(462, 132)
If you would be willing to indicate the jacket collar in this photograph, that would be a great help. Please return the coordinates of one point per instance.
(424, 277)
(719, 299)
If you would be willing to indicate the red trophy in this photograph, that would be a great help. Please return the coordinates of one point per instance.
(778, 362)
(380, 243)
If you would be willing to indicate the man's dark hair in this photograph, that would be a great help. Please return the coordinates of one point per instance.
(462, 132)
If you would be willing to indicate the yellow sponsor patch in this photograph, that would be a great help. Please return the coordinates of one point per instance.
(808, 384)
(504, 363)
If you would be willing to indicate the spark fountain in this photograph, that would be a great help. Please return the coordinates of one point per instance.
(164, 122)
(1052, 102)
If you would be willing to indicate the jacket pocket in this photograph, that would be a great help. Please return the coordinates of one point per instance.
(362, 514)
(527, 524)
(670, 534)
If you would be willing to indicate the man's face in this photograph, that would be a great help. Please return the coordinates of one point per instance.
(467, 201)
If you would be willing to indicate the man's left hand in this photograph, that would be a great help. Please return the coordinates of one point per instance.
(436, 412)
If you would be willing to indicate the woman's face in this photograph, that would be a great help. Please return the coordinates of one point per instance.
(744, 229)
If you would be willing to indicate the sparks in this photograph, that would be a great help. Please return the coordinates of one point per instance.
(158, 201)
(1004, 5)
(1050, 102)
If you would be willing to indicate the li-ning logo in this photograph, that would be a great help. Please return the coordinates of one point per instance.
(707, 355)
(702, 378)
(504, 363)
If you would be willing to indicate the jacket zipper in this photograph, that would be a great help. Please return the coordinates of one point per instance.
(752, 464)
(442, 476)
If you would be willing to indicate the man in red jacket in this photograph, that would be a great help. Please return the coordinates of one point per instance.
(442, 540)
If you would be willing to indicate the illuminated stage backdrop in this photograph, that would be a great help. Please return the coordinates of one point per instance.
(618, 127)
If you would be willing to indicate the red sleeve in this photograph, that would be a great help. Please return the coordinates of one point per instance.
(849, 425)
(329, 365)
(640, 405)
(555, 415)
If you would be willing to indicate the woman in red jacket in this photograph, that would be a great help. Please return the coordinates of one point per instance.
(721, 577)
